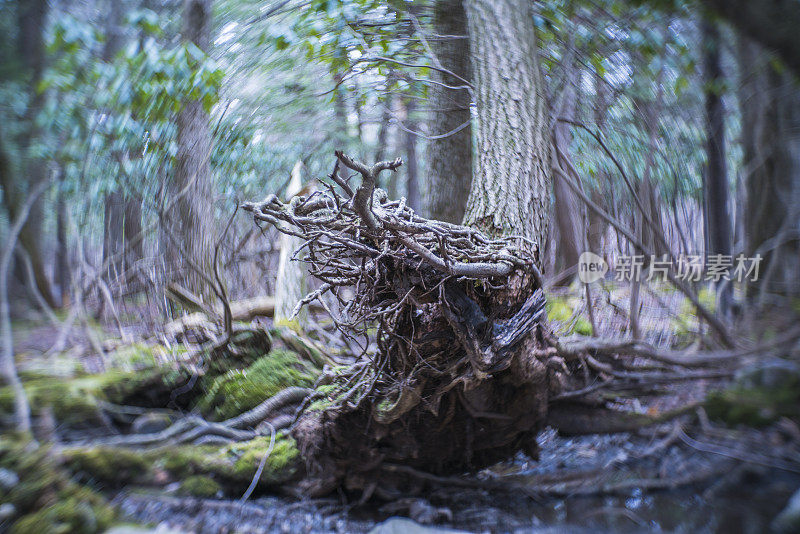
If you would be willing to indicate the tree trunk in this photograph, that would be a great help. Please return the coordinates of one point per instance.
(569, 222)
(383, 129)
(449, 157)
(122, 215)
(113, 221)
(62, 272)
(8, 366)
(597, 227)
(290, 282)
(341, 136)
(773, 23)
(510, 190)
(412, 173)
(32, 15)
(193, 172)
(770, 104)
(133, 245)
(717, 216)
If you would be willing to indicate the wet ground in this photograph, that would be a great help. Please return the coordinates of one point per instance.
(729, 496)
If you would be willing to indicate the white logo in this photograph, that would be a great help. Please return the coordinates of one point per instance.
(591, 267)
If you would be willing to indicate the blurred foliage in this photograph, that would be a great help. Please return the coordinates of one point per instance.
(293, 80)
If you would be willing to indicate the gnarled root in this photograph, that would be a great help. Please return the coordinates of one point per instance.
(465, 365)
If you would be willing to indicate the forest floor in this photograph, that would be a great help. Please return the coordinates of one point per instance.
(736, 496)
(693, 474)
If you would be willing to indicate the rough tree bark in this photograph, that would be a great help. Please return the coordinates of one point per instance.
(770, 106)
(113, 221)
(449, 157)
(133, 244)
(62, 273)
(717, 216)
(193, 172)
(509, 194)
(114, 214)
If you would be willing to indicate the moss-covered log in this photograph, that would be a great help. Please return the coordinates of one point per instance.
(231, 467)
(44, 497)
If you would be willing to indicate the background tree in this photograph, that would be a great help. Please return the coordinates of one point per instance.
(768, 101)
(568, 223)
(449, 151)
(32, 19)
(192, 184)
(715, 187)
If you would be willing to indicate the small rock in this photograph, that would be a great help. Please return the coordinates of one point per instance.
(7, 511)
(127, 529)
(789, 519)
(8, 479)
(419, 510)
(150, 423)
(403, 525)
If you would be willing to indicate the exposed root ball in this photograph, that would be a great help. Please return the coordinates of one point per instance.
(464, 367)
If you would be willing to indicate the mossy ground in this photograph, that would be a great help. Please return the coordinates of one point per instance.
(687, 324)
(232, 467)
(46, 499)
(239, 390)
(200, 486)
(561, 310)
(754, 406)
(51, 497)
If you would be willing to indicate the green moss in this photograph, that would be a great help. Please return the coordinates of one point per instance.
(203, 469)
(708, 298)
(757, 406)
(200, 486)
(72, 401)
(235, 464)
(560, 310)
(325, 396)
(35, 467)
(76, 510)
(245, 348)
(188, 460)
(583, 327)
(239, 390)
(293, 324)
(296, 342)
(114, 465)
(686, 324)
(280, 465)
(46, 498)
(135, 355)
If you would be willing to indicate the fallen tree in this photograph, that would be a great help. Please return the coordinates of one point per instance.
(465, 370)
(457, 369)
